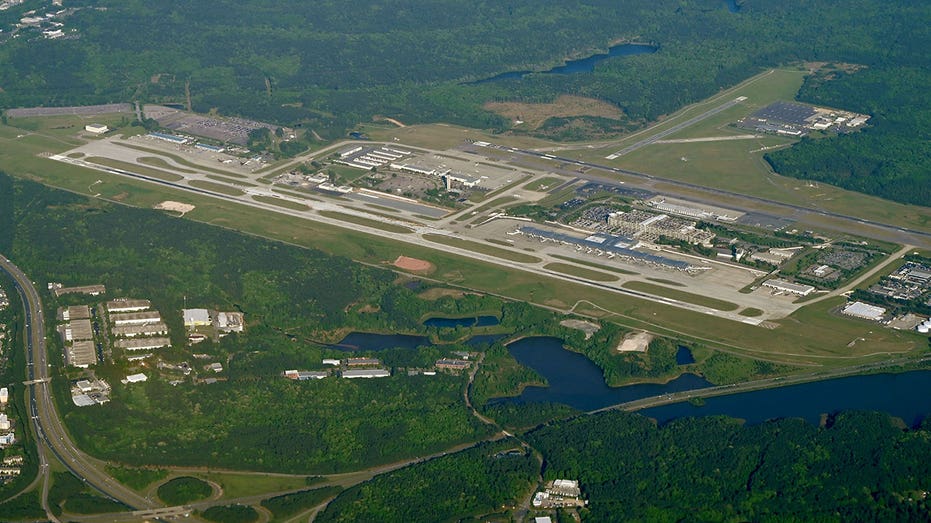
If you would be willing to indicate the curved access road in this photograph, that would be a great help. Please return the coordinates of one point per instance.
(52, 438)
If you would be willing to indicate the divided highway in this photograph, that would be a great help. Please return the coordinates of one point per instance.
(50, 433)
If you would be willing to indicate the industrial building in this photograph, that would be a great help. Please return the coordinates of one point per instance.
(142, 343)
(131, 331)
(370, 157)
(92, 290)
(196, 317)
(76, 312)
(366, 373)
(451, 364)
(81, 354)
(230, 321)
(135, 318)
(304, 375)
(361, 362)
(788, 287)
(127, 305)
(4, 396)
(79, 330)
(865, 311)
(135, 378)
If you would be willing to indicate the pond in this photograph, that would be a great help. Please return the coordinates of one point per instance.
(474, 321)
(358, 341)
(574, 380)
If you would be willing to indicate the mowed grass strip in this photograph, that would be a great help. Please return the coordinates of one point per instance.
(162, 164)
(482, 248)
(216, 187)
(230, 180)
(390, 227)
(688, 297)
(580, 272)
(593, 264)
(133, 168)
(751, 312)
(287, 204)
(666, 282)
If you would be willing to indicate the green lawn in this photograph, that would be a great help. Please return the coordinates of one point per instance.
(676, 294)
(588, 274)
(483, 248)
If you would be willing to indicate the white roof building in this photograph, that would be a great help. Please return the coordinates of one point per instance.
(366, 373)
(95, 128)
(858, 309)
(7, 439)
(196, 317)
(4, 422)
(135, 378)
(787, 286)
(4, 395)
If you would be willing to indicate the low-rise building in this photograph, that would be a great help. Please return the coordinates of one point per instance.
(95, 128)
(865, 311)
(79, 330)
(76, 312)
(4, 396)
(135, 378)
(92, 290)
(215, 367)
(135, 318)
(451, 364)
(81, 354)
(362, 362)
(333, 362)
(132, 331)
(127, 305)
(789, 287)
(196, 317)
(142, 343)
(366, 373)
(230, 321)
(7, 439)
(304, 375)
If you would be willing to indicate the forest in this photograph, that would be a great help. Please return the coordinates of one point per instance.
(855, 466)
(892, 157)
(328, 66)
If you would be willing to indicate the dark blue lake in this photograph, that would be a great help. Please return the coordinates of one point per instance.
(732, 6)
(684, 356)
(484, 339)
(906, 395)
(370, 341)
(574, 380)
(474, 321)
(582, 65)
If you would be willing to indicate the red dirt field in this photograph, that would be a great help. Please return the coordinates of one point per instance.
(413, 264)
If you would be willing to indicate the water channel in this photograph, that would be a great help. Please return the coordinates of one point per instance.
(574, 380)
(582, 65)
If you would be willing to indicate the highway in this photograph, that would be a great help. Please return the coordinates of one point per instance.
(50, 433)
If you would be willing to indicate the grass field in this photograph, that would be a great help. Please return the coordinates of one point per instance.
(534, 114)
(390, 227)
(593, 264)
(138, 169)
(676, 294)
(543, 184)
(482, 248)
(154, 161)
(751, 312)
(221, 188)
(239, 485)
(588, 274)
(224, 179)
(666, 282)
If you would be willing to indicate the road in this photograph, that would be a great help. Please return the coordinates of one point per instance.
(676, 128)
(52, 438)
